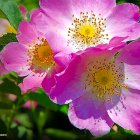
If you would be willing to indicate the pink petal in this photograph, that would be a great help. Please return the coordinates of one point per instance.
(23, 10)
(87, 112)
(51, 29)
(31, 82)
(122, 20)
(70, 81)
(103, 7)
(30, 104)
(126, 112)
(26, 33)
(2, 69)
(134, 32)
(48, 83)
(63, 8)
(55, 8)
(115, 44)
(131, 58)
(14, 57)
(62, 61)
(41, 21)
(66, 84)
(58, 42)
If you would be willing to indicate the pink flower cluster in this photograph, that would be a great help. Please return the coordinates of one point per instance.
(78, 51)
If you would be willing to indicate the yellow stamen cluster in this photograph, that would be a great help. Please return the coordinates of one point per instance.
(104, 78)
(40, 57)
(87, 30)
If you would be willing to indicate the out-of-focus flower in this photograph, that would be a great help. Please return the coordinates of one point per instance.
(23, 11)
(30, 104)
(32, 56)
(102, 87)
(5, 27)
(80, 24)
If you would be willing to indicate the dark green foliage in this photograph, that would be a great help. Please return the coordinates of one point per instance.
(7, 38)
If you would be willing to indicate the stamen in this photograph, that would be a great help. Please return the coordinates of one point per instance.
(40, 57)
(104, 78)
(87, 30)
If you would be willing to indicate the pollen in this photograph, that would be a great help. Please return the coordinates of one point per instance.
(104, 78)
(87, 30)
(40, 57)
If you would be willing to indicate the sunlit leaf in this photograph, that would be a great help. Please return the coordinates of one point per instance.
(10, 9)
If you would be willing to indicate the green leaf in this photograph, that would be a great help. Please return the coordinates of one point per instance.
(21, 132)
(7, 38)
(24, 120)
(29, 4)
(61, 134)
(42, 117)
(121, 1)
(123, 131)
(2, 15)
(10, 9)
(8, 86)
(41, 98)
(64, 109)
(12, 76)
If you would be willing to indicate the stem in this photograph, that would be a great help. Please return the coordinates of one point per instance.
(13, 112)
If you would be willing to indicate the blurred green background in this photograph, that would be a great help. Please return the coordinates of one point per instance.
(47, 121)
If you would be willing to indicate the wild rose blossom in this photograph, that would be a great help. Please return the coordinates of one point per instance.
(79, 24)
(102, 87)
(31, 56)
(23, 11)
(7, 28)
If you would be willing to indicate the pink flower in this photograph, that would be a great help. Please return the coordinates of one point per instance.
(30, 104)
(80, 24)
(6, 27)
(23, 11)
(32, 56)
(102, 87)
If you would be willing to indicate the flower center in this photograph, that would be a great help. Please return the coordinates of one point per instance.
(87, 30)
(40, 57)
(104, 78)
